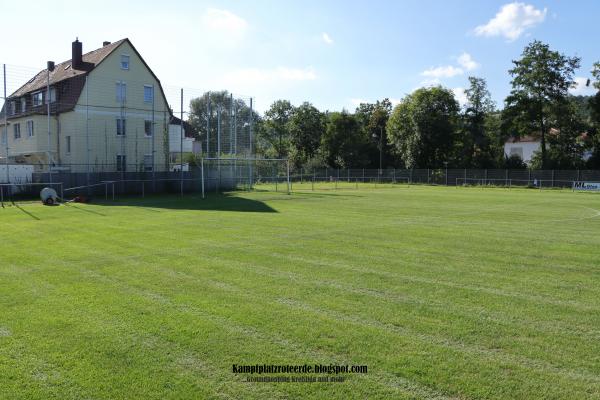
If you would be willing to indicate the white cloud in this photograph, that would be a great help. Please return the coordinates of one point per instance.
(224, 21)
(581, 89)
(466, 61)
(447, 71)
(326, 38)
(512, 20)
(460, 95)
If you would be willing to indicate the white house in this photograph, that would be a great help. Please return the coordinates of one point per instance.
(524, 147)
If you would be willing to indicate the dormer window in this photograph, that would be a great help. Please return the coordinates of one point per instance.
(37, 98)
(124, 61)
(12, 107)
(52, 95)
(23, 104)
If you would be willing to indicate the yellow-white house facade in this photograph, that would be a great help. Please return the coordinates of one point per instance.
(107, 110)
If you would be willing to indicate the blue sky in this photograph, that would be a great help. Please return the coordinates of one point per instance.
(331, 53)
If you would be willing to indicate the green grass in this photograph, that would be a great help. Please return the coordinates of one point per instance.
(442, 292)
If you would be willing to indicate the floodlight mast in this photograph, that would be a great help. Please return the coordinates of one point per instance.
(6, 125)
(50, 66)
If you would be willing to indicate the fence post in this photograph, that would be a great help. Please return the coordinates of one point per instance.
(411, 175)
(552, 178)
(428, 176)
(202, 172)
(363, 175)
(529, 177)
(506, 176)
(288, 177)
(578, 178)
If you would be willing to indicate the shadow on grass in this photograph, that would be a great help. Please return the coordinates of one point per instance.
(214, 202)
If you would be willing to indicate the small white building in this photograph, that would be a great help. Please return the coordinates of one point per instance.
(176, 134)
(524, 147)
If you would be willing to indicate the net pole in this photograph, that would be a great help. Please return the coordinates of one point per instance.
(48, 119)
(208, 111)
(288, 177)
(251, 152)
(202, 172)
(230, 123)
(87, 133)
(181, 142)
(153, 147)
(6, 126)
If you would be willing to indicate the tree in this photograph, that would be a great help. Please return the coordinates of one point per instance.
(372, 118)
(342, 144)
(541, 80)
(422, 127)
(476, 142)
(306, 127)
(202, 111)
(594, 110)
(275, 128)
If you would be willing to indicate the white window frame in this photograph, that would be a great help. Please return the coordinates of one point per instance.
(121, 91)
(121, 164)
(12, 107)
(68, 140)
(151, 128)
(125, 66)
(17, 131)
(23, 104)
(52, 95)
(151, 93)
(121, 125)
(148, 168)
(34, 95)
(30, 128)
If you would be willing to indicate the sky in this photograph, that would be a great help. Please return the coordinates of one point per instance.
(333, 54)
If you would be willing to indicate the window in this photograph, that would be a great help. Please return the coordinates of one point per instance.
(148, 164)
(517, 151)
(4, 138)
(121, 126)
(30, 132)
(52, 95)
(148, 128)
(121, 89)
(124, 61)
(17, 131)
(68, 138)
(23, 104)
(121, 163)
(12, 106)
(148, 94)
(37, 99)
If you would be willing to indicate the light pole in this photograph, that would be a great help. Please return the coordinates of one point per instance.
(446, 167)
(380, 149)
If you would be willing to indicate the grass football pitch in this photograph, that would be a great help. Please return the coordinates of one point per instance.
(447, 293)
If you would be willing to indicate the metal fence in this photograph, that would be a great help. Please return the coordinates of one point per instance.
(450, 177)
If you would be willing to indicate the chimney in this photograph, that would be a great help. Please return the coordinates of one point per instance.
(76, 56)
(105, 43)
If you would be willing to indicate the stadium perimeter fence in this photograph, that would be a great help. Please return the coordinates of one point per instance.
(209, 175)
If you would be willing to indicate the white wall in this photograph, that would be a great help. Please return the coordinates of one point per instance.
(527, 149)
(17, 173)
(175, 140)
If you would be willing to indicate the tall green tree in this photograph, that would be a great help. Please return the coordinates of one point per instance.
(306, 127)
(476, 143)
(541, 79)
(594, 109)
(423, 126)
(372, 118)
(343, 143)
(275, 129)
